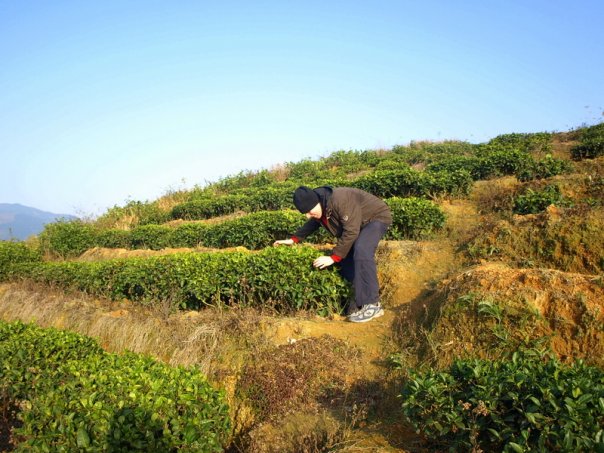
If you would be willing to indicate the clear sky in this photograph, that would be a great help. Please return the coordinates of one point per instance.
(107, 101)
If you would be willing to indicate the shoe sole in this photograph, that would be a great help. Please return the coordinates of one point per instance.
(377, 315)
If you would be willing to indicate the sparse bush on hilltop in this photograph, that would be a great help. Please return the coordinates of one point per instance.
(592, 143)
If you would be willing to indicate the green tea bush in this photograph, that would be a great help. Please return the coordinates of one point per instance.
(67, 239)
(76, 397)
(154, 237)
(534, 201)
(413, 218)
(544, 168)
(208, 207)
(114, 239)
(279, 277)
(592, 143)
(496, 162)
(527, 403)
(188, 235)
(13, 254)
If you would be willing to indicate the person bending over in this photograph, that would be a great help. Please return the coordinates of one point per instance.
(359, 220)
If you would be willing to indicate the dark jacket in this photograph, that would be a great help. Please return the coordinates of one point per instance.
(347, 210)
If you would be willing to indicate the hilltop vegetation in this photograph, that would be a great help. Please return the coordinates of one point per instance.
(491, 275)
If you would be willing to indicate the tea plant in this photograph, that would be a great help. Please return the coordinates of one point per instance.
(528, 402)
(13, 254)
(592, 143)
(534, 201)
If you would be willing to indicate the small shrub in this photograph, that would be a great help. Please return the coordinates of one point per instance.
(284, 378)
(534, 201)
(544, 168)
(67, 239)
(13, 254)
(413, 218)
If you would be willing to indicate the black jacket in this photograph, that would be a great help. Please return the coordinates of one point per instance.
(347, 211)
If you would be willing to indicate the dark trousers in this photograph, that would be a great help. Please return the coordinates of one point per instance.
(359, 266)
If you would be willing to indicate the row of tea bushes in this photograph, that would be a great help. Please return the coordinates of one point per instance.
(493, 163)
(413, 218)
(76, 397)
(279, 277)
(402, 181)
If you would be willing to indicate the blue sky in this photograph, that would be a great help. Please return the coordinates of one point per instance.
(103, 102)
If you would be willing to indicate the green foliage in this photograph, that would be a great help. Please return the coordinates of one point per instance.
(405, 182)
(413, 218)
(75, 397)
(529, 402)
(206, 208)
(534, 201)
(532, 142)
(154, 237)
(114, 239)
(280, 277)
(544, 168)
(13, 254)
(67, 239)
(143, 213)
(592, 143)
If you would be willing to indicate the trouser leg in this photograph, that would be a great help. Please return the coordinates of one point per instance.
(359, 266)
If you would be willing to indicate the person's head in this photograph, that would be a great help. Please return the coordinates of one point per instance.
(307, 202)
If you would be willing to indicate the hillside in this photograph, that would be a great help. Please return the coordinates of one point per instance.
(491, 277)
(18, 222)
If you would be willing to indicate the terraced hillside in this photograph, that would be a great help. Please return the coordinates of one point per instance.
(491, 276)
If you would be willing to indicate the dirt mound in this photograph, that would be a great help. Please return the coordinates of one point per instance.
(566, 239)
(492, 309)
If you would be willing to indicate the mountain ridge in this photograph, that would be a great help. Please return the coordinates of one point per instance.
(18, 222)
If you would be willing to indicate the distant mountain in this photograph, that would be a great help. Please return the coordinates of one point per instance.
(20, 222)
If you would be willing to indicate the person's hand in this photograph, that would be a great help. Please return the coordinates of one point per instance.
(323, 261)
(284, 242)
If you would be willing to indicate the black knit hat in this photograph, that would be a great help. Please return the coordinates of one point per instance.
(305, 199)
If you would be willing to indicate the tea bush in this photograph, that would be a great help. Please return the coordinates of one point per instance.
(529, 402)
(413, 218)
(531, 142)
(592, 143)
(279, 277)
(534, 201)
(544, 168)
(13, 254)
(76, 397)
(67, 239)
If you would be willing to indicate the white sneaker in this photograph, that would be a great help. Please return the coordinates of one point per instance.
(367, 313)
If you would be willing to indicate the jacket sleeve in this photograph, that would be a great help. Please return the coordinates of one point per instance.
(351, 218)
(308, 228)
